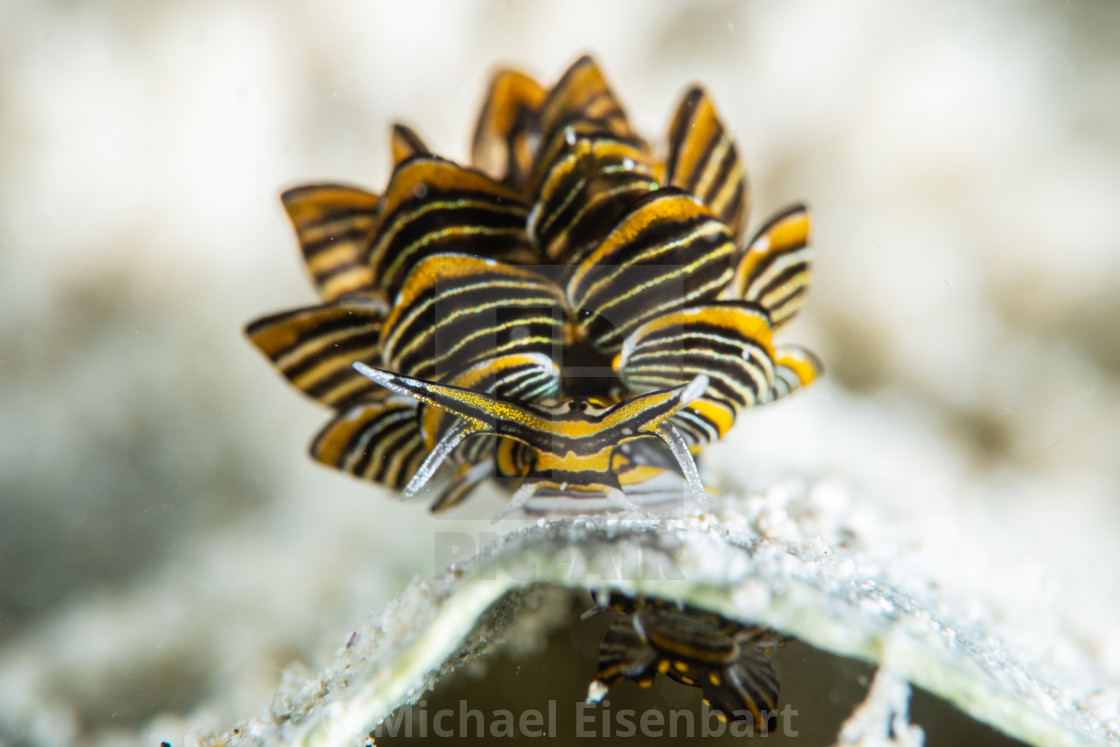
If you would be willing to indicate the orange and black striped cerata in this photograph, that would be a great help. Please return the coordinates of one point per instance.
(728, 660)
(573, 313)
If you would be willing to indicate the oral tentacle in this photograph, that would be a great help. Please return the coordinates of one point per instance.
(443, 448)
(517, 501)
(618, 499)
(677, 444)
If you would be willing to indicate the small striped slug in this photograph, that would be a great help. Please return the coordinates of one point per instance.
(570, 314)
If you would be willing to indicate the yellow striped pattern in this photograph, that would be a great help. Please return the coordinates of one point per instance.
(774, 270)
(434, 206)
(314, 348)
(704, 162)
(569, 313)
(582, 94)
(335, 226)
(378, 441)
(591, 181)
(501, 145)
(667, 253)
(455, 310)
(729, 343)
(728, 661)
(794, 368)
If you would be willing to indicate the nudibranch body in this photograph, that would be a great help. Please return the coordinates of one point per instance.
(729, 661)
(569, 313)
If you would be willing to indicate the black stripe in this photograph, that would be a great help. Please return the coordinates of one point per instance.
(342, 350)
(696, 428)
(420, 228)
(682, 124)
(408, 137)
(702, 166)
(768, 261)
(784, 277)
(738, 200)
(330, 319)
(608, 328)
(385, 432)
(446, 350)
(324, 277)
(356, 234)
(403, 459)
(726, 165)
(340, 379)
(774, 220)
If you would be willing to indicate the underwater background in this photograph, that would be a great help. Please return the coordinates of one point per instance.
(167, 548)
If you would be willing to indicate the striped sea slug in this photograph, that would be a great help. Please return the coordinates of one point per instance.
(729, 661)
(571, 313)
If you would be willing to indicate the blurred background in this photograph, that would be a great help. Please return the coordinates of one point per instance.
(166, 547)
